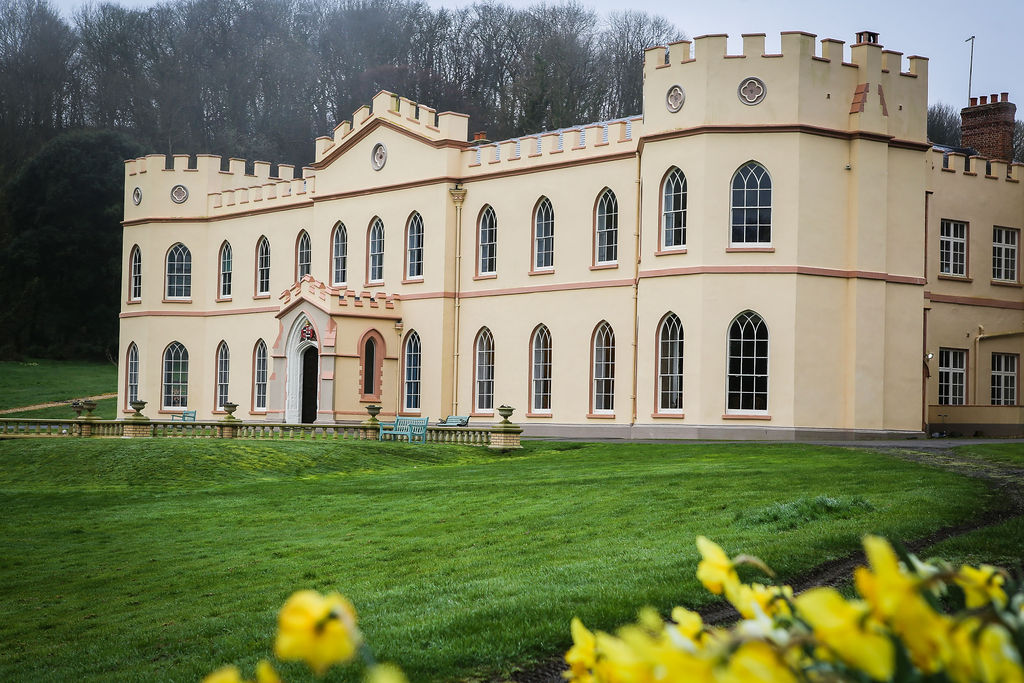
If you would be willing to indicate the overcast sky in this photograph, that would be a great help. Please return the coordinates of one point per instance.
(933, 28)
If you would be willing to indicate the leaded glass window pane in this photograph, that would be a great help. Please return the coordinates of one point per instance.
(604, 369)
(339, 256)
(544, 235)
(133, 373)
(259, 392)
(488, 241)
(175, 376)
(135, 286)
(303, 255)
(263, 267)
(412, 371)
(179, 272)
(414, 247)
(673, 211)
(376, 260)
(540, 385)
(670, 364)
(225, 271)
(751, 205)
(484, 394)
(607, 228)
(747, 383)
(223, 374)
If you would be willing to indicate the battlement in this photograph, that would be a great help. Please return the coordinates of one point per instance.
(208, 190)
(400, 111)
(335, 300)
(976, 166)
(593, 139)
(869, 90)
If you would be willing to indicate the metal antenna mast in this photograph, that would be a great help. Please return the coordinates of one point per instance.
(970, 73)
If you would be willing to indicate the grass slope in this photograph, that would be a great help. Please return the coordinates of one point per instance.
(164, 559)
(106, 409)
(46, 381)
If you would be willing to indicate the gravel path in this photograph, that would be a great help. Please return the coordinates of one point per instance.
(1006, 479)
(56, 403)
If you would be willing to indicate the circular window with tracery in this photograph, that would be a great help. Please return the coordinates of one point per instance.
(179, 193)
(675, 98)
(379, 156)
(137, 196)
(752, 91)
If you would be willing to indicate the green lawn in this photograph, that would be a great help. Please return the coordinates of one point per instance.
(46, 381)
(1000, 453)
(106, 409)
(164, 559)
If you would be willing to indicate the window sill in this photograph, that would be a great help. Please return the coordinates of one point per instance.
(261, 413)
(486, 276)
(409, 413)
(413, 281)
(133, 302)
(741, 250)
(177, 301)
(475, 414)
(369, 398)
(1006, 283)
(601, 416)
(955, 278)
(670, 250)
(604, 266)
(662, 416)
(375, 283)
(542, 271)
(222, 299)
(260, 296)
(746, 416)
(548, 414)
(219, 412)
(171, 411)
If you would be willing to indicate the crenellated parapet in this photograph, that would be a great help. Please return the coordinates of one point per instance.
(567, 144)
(399, 111)
(691, 84)
(197, 187)
(976, 167)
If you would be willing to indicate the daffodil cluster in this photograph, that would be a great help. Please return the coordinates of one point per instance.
(913, 621)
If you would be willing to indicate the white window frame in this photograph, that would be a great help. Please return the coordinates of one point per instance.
(263, 267)
(414, 247)
(544, 235)
(223, 375)
(174, 378)
(483, 372)
(224, 278)
(303, 256)
(540, 371)
(602, 389)
(673, 210)
(339, 256)
(952, 377)
(953, 248)
(745, 380)
(178, 273)
(135, 278)
(487, 242)
(1005, 367)
(413, 368)
(606, 232)
(1005, 254)
(259, 376)
(751, 177)
(375, 252)
(670, 365)
(132, 373)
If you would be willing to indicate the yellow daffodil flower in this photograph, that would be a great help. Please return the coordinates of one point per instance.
(265, 673)
(772, 600)
(982, 586)
(845, 629)
(716, 571)
(756, 662)
(318, 629)
(225, 674)
(385, 673)
(582, 656)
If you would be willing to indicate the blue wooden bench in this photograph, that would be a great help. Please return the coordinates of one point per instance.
(409, 427)
(454, 421)
(185, 416)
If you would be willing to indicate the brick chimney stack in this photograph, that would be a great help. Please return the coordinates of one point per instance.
(987, 126)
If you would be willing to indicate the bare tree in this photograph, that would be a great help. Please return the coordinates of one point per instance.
(944, 125)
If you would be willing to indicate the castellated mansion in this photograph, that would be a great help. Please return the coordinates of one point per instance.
(771, 249)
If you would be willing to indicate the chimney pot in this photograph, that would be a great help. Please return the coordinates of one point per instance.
(983, 100)
(1004, 97)
(993, 98)
(974, 101)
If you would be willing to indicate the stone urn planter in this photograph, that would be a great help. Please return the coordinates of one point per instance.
(230, 409)
(373, 410)
(77, 407)
(89, 407)
(506, 413)
(137, 406)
